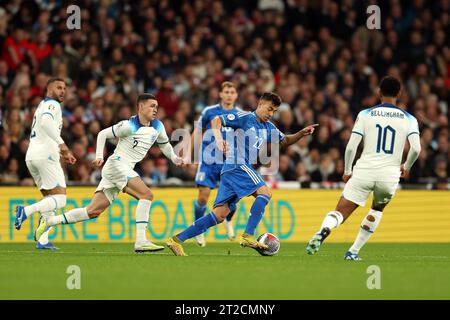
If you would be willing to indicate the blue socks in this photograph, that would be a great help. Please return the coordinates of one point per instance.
(230, 215)
(256, 213)
(199, 226)
(199, 210)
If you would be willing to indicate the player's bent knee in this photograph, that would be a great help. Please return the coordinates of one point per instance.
(60, 200)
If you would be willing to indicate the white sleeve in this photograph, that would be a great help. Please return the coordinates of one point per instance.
(164, 144)
(101, 140)
(414, 150)
(49, 126)
(167, 150)
(122, 129)
(162, 136)
(358, 128)
(350, 151)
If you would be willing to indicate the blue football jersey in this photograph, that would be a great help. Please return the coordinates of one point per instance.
(210, 153)
(248, 137)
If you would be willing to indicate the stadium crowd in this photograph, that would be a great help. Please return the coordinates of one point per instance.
(319, 56)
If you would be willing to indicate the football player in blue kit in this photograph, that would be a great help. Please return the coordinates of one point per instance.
(239, 179)
(211, 159)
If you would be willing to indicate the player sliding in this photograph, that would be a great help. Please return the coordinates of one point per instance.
(238, 178)
(385, 129)
(42, 159)
(136, 136)
(208, 172)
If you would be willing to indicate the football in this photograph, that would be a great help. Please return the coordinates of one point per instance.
(272, 241)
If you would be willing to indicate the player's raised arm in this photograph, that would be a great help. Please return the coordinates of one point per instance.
(293, 138)
(119, 130)
(50, 128)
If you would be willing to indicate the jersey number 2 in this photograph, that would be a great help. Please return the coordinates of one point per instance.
(382, 137)
(33, 133)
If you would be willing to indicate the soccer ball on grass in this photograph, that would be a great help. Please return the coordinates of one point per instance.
(272, 241)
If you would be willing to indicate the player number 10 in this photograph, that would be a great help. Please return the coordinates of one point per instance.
(382, 137)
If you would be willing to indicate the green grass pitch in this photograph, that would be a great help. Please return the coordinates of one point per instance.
(224, 271)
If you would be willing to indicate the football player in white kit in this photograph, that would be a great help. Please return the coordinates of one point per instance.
(136, 136)
(42, 158)
(385, 129)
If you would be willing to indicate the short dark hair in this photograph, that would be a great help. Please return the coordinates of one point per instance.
(144, 97)
(51, 80)
(272, 97)
(390, 86)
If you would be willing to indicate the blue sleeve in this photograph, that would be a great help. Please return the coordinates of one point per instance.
(274, 135)
(158, 125)
(204, 119)
(233, 120)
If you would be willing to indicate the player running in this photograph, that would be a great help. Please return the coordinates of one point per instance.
(385, 129)
(211, 161)
(136, 136)
(42, 159)
(238, 178)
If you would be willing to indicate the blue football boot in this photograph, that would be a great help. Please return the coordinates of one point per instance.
(351, 256)
(20, 217)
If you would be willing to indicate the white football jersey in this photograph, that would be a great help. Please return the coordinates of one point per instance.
(385, 129)
(135, 139)
(41, 145)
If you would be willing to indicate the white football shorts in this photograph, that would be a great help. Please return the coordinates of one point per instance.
(115, 176)
(357, 191)
(47, 174)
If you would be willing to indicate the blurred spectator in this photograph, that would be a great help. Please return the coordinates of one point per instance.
(322, 60)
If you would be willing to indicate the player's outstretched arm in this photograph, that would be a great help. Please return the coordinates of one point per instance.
(293, 138)
(49, 126)
(413, 154)
(350, 153)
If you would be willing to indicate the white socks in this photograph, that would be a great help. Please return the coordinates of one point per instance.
(332, 220)
(71, 216)
(368, 226)
(49, 203)
(142, 216)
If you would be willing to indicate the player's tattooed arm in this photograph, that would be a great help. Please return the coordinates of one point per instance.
(293, 138)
